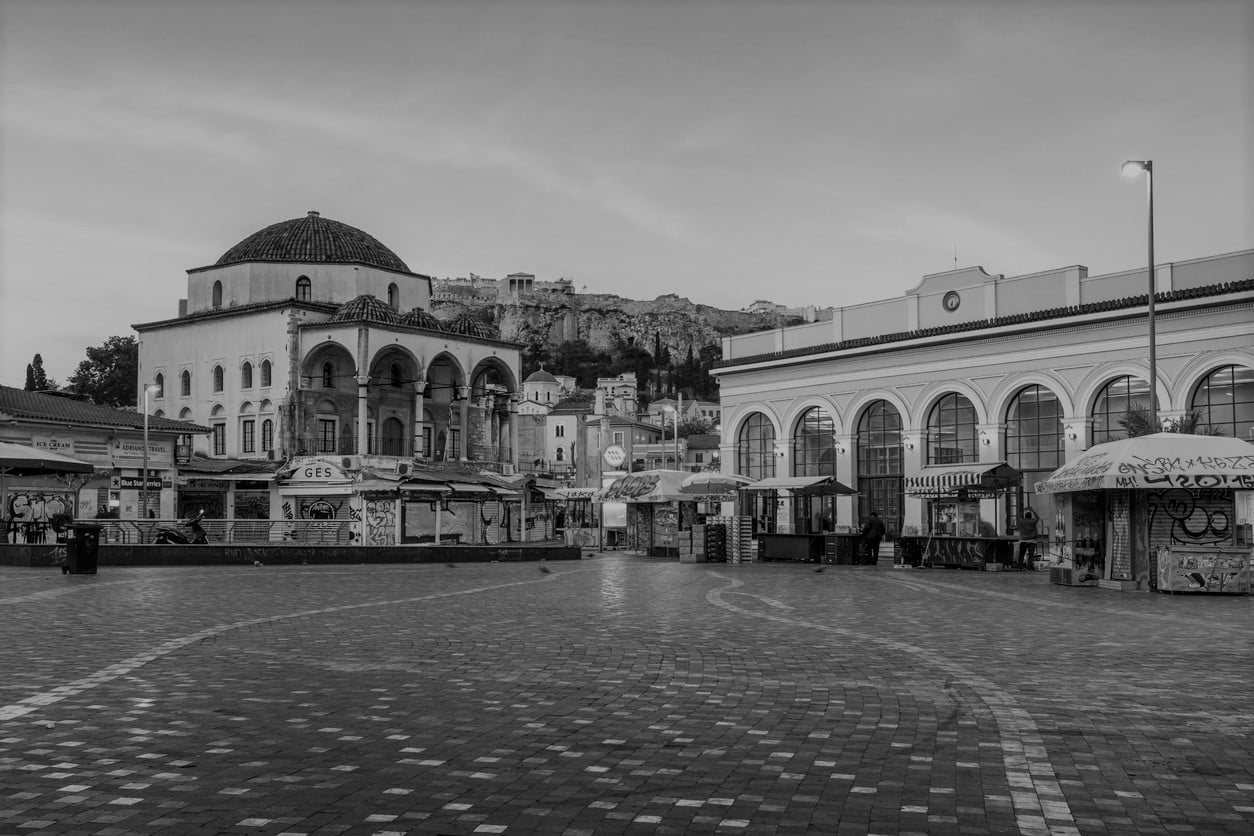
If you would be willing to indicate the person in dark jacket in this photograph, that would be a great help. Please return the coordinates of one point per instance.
(872, 534)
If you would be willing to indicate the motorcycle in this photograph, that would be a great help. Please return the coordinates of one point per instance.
(195, 535)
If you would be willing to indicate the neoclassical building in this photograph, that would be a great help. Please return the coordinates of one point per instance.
(310, 338)
(980, 370)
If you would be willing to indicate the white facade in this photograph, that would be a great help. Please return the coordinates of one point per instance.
(983, 344)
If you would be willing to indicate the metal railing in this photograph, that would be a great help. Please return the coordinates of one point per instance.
(318, 532)
(313, 446)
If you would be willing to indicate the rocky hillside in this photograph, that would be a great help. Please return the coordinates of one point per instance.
(546, 319)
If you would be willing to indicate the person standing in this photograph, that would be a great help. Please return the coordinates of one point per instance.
(1028, 525)
(872, 534)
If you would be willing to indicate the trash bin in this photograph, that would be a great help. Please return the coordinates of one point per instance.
(82, 548)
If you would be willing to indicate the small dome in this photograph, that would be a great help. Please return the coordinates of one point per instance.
(418, 318)
(315, 239)
(470, 326)
(540, 376)
(365, 308)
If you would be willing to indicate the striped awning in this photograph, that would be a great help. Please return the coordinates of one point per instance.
(947, 480)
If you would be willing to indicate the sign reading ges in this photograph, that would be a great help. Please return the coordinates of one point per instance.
(614, 455)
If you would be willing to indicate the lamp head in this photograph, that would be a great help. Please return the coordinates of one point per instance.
(1132, 168)
(152, 388)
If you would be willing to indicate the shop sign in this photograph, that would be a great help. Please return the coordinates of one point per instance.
(136, 483)
(53, 444)
(131, 451)
(614, 455)
(319, 471)
(183, 453)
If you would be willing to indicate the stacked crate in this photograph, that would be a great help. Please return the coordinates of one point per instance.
(716, 542)
(692, 545)
(738, 542)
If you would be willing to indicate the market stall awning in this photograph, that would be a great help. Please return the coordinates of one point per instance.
(646, 486)
(948, 479)
(803, 485)
(468, 487)
(20, 460)
(1159, 460)
(426, 487)
(576, 493)
(712, 483)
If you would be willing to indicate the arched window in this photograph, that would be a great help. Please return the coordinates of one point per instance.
(246, 375)
(304, 289)
(159, 383)
(560, 454)
(217, 295)
(398, 378)
(328, 375)
(185, 414)
(1225, 400)
(185, 384)
(265, 373)
(217, 379)
(267, 434)
(1034, 430)
(880, 482)
(951, 433)
(1113, 402)
(394, 297)
(755, 448)
(814, 445)
(160, 413)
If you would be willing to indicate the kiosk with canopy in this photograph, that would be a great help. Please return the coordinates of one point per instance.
(657, 510)
(808, 531)
(962, 501)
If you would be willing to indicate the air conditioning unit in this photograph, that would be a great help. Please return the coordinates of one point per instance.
(402, 468)
(507, 469)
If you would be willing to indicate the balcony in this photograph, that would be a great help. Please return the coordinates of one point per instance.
(343, 446)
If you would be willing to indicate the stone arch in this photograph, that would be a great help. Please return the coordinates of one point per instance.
(742, 412)
(800, 407)
(933, 392)
(865, 399)
(497, 369)
(1093, 383)
(1005, 393)
(345, 367)
(1200, 366)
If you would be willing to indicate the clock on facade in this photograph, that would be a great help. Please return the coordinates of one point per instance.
(951, 300)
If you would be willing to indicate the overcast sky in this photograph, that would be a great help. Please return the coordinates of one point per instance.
(825, 153)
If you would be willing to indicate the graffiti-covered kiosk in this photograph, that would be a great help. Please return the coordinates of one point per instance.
(1156, 511)
(657, 510)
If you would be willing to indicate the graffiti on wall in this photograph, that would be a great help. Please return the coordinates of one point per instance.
(319, 508)
(37, 506)
(380, 522)
(1190, 517)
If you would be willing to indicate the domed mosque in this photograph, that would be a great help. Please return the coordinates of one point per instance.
(293, 344)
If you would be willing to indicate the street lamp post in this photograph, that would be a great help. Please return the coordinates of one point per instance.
(1130, 169)
(143, 485)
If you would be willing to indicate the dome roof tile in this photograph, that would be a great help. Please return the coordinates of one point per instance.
(314, 239)
(419, 318)
(365, 308)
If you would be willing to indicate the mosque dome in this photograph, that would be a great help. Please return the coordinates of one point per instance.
(419, 318)
(540, 376)
(470, 326)
(365, 308)
(313, 239)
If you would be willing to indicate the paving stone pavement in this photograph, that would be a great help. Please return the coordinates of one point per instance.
(618, 694)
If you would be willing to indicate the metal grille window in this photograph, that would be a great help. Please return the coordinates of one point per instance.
(248, 432)
(1034, 430)
(1225, 400)
(952, 437)
(1115, 399)
(219, 439)
(267, 434)
(814, 445)
(755, 448)
(880, 482)
(326, 435)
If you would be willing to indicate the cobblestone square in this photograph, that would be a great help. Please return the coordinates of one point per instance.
(618, 694)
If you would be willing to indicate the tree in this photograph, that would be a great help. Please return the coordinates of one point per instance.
(108, 376)
(36, 378)
(696, 425)
(1138, 421)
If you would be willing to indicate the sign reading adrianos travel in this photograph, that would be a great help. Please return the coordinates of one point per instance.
(131, 451)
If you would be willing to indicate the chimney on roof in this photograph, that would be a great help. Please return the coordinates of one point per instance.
(313, 213)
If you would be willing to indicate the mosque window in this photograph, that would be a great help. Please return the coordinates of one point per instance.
(328, 375)
(304, 289)
(265, 373)
(267, 434)
(185, 384)
(397, 377)
(217, 295)
(246, 375)
(159, 383)
(217, 379)
(394, 297)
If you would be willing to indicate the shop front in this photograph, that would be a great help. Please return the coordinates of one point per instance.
(318, 492)
(961, 503)
(799, 520)
(1160, 511)
(578, 520)
(657, 510)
